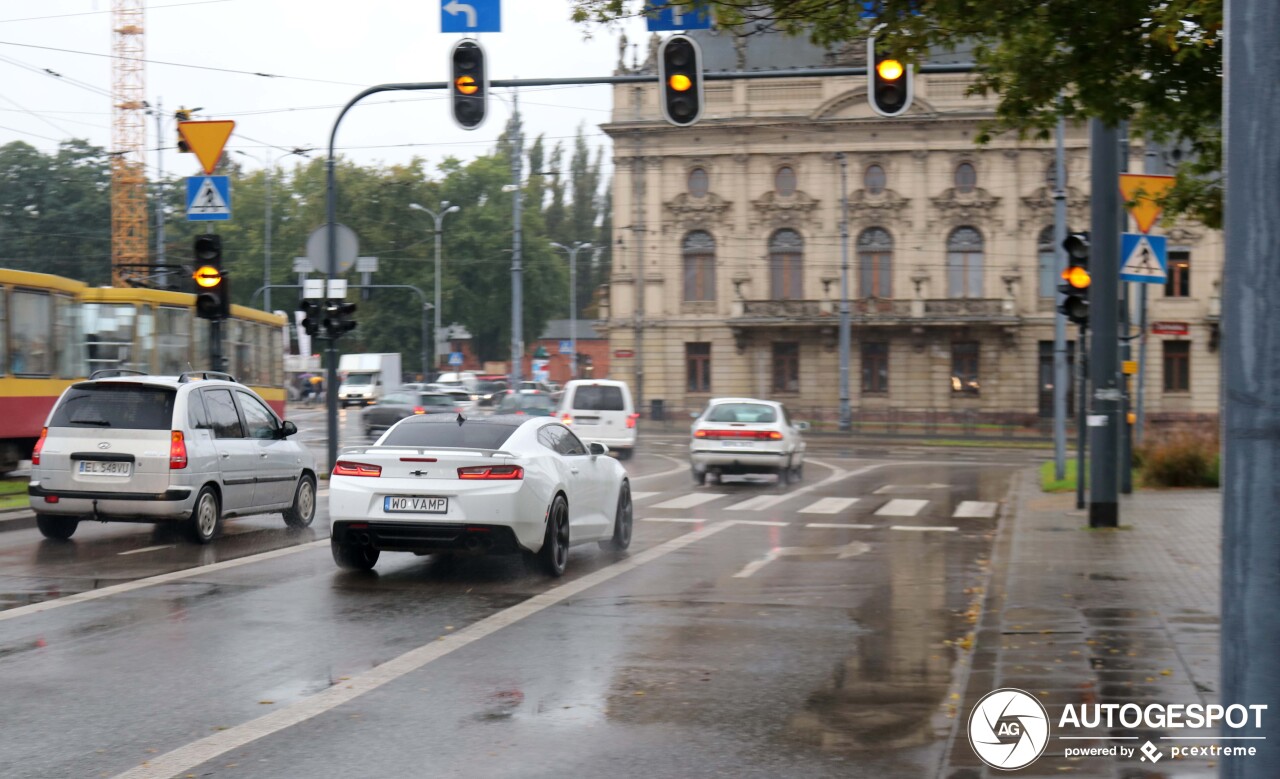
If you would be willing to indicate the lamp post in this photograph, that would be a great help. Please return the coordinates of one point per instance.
(438, 216)
(573, 300)
(266, 230)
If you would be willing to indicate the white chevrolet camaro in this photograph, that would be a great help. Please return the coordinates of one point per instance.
(442, 483)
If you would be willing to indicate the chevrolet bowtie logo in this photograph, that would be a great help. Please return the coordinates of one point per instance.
(417, 473)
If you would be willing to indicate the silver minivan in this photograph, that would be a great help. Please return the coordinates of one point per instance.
(190, 449)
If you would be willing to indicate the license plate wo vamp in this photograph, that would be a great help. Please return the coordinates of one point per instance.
(415, 504)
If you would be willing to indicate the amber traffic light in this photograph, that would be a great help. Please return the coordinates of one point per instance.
(1075, 279)
(213, 294)
(680, 73)
(468, 84)
(889, 90)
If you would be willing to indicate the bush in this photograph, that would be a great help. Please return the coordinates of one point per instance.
(1181, 459)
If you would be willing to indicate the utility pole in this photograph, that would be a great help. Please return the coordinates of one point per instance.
(1104, 309)
(1061, 383)
(266, 241)
(573, 301)
(1151, 163)
(1126, 351)
(638, 236)
(1251, 369)
(438, 345)
(846, 413)
(1082, 412)
(159, 112)
(517, 281)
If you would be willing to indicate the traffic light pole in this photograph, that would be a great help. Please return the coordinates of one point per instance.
(1104, 309)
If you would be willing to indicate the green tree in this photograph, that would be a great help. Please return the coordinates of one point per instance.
(1154, 63)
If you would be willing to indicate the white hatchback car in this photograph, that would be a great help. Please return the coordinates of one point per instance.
(745, 435)
(191, 449)
(440, 483)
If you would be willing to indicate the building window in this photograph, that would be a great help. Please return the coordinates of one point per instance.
(1177, 366)
(1048, 263)
(784, 181)
(697, 360)
(874, 180)
(786, 367)
(1179, 283)
(966, 178)
(698, 183)
(964, 368)
(875, 263)
(699, 266)
(786, 265)
(875, 367)
(964, 263)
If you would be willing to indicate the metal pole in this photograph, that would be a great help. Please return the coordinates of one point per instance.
(517, 281)
(573, 300)
(846, 413)
(1104, 152)
(160, 180)
(425, 375)
(1082, 406)
(638, 238)
(266, 245)
(1251, 368)
(1126, 351)
(1151, 163)
(1061, 380)
(427, 370)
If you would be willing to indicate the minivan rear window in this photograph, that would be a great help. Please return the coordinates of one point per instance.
(597, 397)
(443, 430)
(115, 406)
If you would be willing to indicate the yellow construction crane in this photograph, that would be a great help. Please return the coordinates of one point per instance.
(129, 139)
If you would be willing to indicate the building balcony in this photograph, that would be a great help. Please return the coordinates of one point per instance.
(940, 312)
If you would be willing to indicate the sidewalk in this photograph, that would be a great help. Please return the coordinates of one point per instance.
(1083, 616)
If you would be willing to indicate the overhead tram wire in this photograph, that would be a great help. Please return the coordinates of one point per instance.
(107, 11)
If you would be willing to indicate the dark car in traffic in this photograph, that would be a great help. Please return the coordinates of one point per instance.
(398, 405)
(534, 404)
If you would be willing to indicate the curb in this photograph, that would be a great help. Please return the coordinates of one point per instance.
(17, 519)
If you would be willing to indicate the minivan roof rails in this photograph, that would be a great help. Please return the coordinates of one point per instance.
(111, 373)
(193, 375)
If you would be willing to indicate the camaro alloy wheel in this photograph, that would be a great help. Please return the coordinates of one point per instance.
(303, 509)
(555, 547)
(622, 522)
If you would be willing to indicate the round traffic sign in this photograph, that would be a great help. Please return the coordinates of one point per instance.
(348, 246)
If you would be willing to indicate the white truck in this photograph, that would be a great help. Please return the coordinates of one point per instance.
(367, 378)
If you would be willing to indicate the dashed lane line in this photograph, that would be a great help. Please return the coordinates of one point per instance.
(828, 506)
(690, 500)
(924, 528)
(840, 526)
(148, 549)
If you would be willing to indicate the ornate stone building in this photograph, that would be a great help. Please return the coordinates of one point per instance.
(727, 262)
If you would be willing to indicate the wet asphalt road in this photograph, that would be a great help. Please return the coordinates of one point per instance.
(752, 630)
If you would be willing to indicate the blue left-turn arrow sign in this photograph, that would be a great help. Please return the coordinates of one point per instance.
(471, 16)
(668, 16)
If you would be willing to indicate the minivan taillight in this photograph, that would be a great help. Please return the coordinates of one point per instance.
(348, 468)
(631, 419)
(496, 472)
(35, 453)
(177, 451)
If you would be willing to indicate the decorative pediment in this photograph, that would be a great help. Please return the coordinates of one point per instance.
(1040, 205)
(887, 206)
(782, 210)
(693, 212)
(966, 207)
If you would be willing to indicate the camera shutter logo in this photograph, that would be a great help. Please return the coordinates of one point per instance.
(1008, 729)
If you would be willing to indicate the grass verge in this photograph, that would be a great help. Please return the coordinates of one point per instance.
(1068, 483)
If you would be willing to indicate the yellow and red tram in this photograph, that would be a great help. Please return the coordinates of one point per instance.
(54, 331)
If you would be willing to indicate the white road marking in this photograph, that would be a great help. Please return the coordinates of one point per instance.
(828, 506)
(891, 488)
(684, 468)
(759, 503)
(901, 507)
(975, 509)
(149, 549)
(756, 565)
(637, 496)
(669, 519)
(761, 523)
(837, 525)
(851, 549)
(924, 529)
(116, 589)
(690, 500)
(196, 753)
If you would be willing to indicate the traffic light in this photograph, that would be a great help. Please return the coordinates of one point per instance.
(680, 71)
(1075, 279)
(182, 115)
(337, 318)
(310, 309)
(468, 84)
(889, 85)
(213, 293)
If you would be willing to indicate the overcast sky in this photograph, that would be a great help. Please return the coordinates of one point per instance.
(326, 51)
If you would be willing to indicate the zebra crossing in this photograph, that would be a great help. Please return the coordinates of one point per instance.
(893, 508)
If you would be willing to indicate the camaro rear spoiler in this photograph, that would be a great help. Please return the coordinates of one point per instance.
(370, 449)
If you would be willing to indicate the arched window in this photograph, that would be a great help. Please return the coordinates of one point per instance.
(786, 265)
(699, 183)
(966, 178)
(875, 263)
(964, 263)
(699, 252)
(1048, 270)
(784, 181)
(874, 180)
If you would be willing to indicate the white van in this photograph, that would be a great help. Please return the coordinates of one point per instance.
(601, 410)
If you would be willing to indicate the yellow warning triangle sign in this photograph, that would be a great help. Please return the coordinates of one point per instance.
(1141, 194)
(206, 139)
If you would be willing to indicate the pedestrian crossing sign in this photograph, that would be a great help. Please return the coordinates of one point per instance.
(1144, 258)
(208, 199)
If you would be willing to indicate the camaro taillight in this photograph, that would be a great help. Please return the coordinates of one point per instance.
(631, 419)
(349, 468)
(497, 472)
(35, 453)
(177, 451)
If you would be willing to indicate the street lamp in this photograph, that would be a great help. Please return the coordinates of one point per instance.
(445, 208)
(266, 231)
(573, 300)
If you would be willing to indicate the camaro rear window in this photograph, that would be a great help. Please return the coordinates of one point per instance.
(116, 406)
(742, 412)
(598, 398)
(426, 432)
